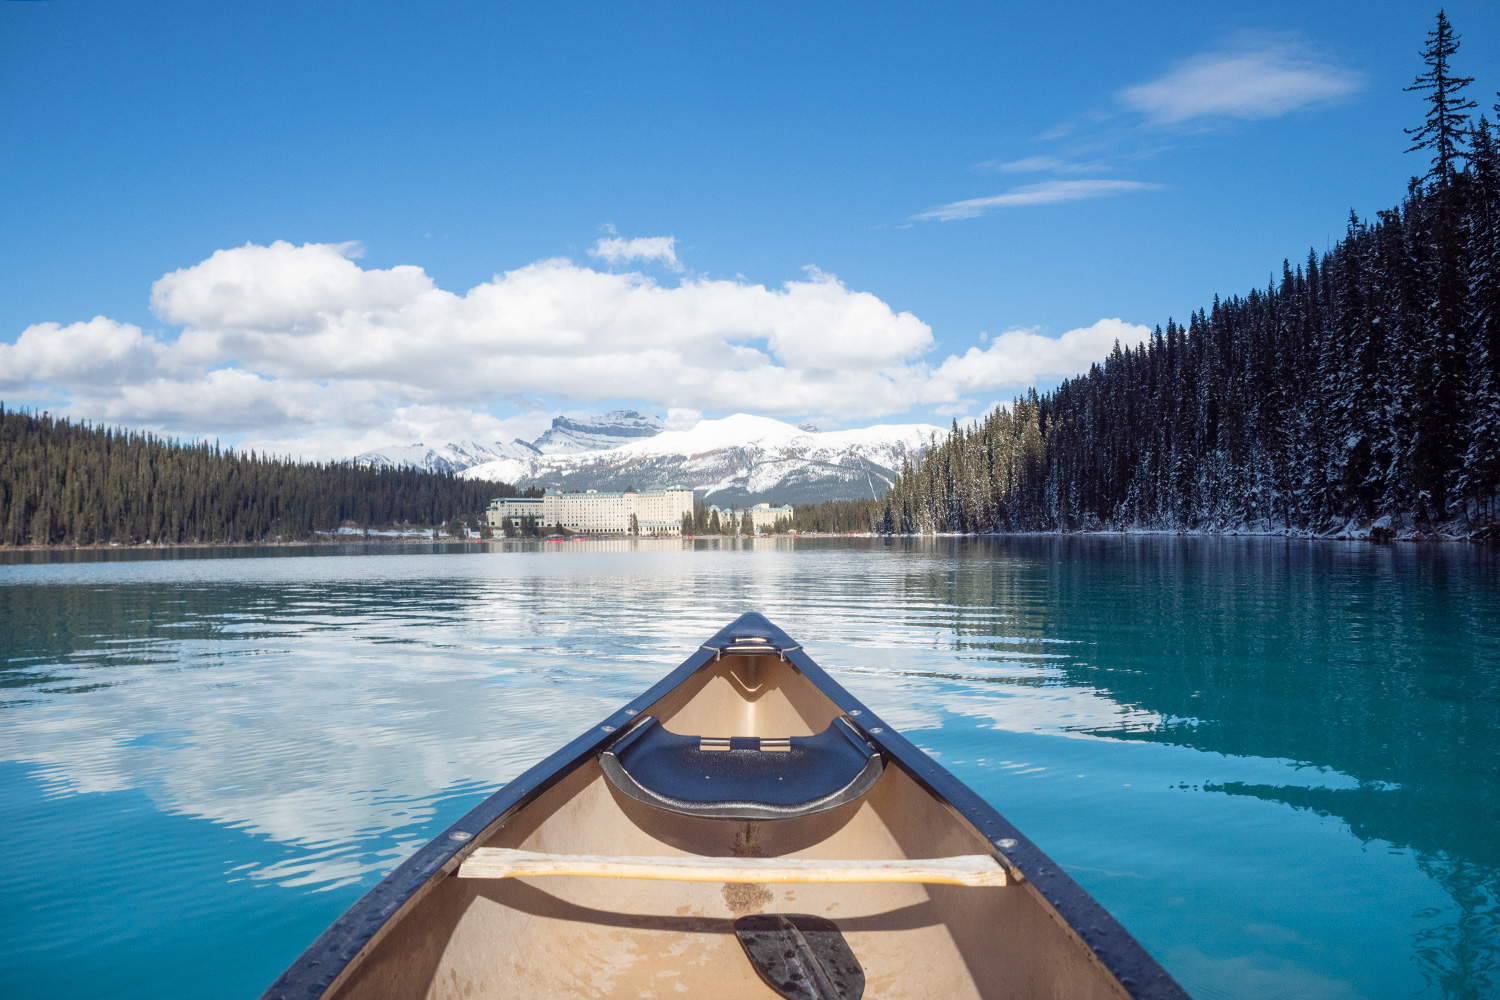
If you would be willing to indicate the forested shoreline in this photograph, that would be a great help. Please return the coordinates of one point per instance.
(1359, 394)
(63, 483)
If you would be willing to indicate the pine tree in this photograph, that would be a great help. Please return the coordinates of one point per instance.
(1445, 128)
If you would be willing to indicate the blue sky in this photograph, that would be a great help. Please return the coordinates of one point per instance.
(795, 165)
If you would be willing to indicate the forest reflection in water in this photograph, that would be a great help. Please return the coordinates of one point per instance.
(334, 710)
(1381, 663)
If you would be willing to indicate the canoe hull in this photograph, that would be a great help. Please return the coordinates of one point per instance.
(424, 934)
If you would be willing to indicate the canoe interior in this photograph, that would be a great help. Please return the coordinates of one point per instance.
(560, 937)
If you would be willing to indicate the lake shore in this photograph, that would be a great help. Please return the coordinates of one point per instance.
(1481, 535)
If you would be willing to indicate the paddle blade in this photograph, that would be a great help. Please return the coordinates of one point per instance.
(801, 957)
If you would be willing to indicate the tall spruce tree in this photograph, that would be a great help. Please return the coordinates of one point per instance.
(1445, 129)
(1439, 432)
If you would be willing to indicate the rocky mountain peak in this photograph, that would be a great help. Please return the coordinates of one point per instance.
(570, 435)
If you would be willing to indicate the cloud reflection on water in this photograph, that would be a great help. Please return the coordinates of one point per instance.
(313, 713)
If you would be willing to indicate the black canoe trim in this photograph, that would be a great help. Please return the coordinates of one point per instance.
(336, 950)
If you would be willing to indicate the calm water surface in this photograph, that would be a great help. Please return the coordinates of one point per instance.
(1278, 763)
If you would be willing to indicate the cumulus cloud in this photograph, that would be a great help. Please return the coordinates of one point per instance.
(301, 350)
(1251, 82)
(98, 352)
(1045, 193)
(1020, 357)
(282, 287)
(617, 250)
(681, 419)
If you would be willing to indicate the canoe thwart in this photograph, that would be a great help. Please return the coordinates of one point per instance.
(509, 862)
(741, 777)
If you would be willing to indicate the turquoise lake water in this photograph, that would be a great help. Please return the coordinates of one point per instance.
(1277, 762)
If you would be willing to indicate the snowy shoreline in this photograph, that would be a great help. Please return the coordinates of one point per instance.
(1379, 532)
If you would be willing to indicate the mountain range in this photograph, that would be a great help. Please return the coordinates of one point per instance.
(733, 460)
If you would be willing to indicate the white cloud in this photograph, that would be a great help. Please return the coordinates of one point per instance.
(1264, 81)
(681, 419)
(617, 250)
(1045, 193)
(98, 352)
(398, 427)
(1039, 164)
(300, 350)
(236, 401)
(576, 332)
(1019, 358)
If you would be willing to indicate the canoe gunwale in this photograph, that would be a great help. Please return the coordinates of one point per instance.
(337, 952)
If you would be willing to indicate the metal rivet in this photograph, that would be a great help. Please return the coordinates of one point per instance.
(854, 711)
(459, 835)
(877, 729)
(608, 729)
(630, 711)
(1006, 843)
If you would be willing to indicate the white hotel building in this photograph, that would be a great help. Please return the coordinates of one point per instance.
(762, 515)
(656, 512)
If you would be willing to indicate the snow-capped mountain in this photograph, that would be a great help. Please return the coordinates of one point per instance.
(453, 457)
(568, 435)
(737, 459)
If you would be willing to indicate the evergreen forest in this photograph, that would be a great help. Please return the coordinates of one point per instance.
(1360, 392)
(829, 517)
(63, 483)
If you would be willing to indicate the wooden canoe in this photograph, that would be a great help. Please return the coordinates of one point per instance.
(744, 811)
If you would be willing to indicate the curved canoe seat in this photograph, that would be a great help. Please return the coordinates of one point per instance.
(745, 778)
